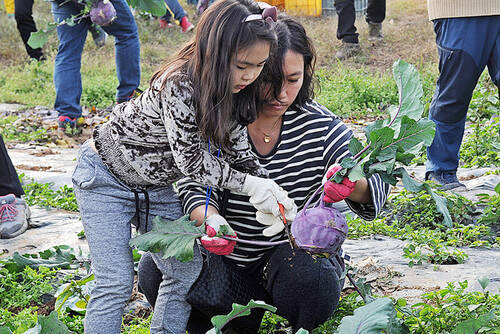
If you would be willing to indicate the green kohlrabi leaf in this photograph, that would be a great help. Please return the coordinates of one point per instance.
(220, 321)
(52, 325)
(372, 318)
(5, 330)
(173, 238)
(484, 282)
(38, 39)
(155, 7)
(473, 325)
(355, 146)
(413, 185)
(410, 93)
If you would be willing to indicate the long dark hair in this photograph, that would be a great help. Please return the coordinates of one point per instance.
(291, 36)
(207, 59)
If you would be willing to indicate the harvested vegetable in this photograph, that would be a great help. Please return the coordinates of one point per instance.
(103, 13)
(319, 229)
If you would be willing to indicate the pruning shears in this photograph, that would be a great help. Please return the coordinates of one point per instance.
(287, 229)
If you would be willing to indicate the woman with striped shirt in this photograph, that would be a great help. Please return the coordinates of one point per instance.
(298, 141)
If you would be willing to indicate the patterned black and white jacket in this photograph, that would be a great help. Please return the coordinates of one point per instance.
(154, 141)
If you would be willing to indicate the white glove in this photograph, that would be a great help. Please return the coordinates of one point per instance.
(275, 224)
(265, 195)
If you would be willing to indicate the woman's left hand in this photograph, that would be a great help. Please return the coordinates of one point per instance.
(336, 192)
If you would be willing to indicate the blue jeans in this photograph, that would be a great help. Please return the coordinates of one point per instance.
(67, 76)
(465, 46)
(109, 209)
(175, 7)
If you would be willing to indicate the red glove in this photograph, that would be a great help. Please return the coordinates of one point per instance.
(336, 192)
(215, 244)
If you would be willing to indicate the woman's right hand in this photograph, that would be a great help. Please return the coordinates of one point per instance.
(265, 194)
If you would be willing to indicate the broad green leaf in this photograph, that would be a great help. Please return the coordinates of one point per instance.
(356, 173)
(382, 166)
(381, 138)
(302, 331)
(415, 134)
(378, 124)
(372, 318)
(497, 188)
(173, 238)
(410, 93)
(347, 163)
(410, 183)
(52, 325)
(473, 325)
(484, 282)
(238, 310)
(38, 38)
(404, 158)
(155, 7)
(441, 205)
(60, 257)
(355, 146)
(5, 330)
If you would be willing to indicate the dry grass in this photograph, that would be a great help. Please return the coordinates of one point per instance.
(408, 35)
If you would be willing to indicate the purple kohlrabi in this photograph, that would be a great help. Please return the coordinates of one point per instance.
(320, 229)
(103, 13)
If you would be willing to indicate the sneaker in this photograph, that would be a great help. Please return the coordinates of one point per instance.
(164, 24)
(70, 126)
(98, 35)
(14, 216)
(186, 26)
(348, 50)
(447, 179)
(375, 32)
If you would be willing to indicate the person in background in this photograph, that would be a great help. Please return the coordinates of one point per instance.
(174, 8)
(67, 75)
(346, 30)
(26, 25)
(468, 40)
(298, 141)
(196, 105)
(14, 212)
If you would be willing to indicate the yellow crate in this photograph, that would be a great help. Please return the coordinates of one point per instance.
(303, 7)
(9, 6)
(280, 4)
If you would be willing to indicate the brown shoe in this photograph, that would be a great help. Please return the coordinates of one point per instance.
(348, 50)
(375, 32)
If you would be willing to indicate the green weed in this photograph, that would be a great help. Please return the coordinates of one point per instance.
(13, 129)
(443, 310)
(43, 195)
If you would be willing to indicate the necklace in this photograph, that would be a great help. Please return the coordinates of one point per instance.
(267, 137)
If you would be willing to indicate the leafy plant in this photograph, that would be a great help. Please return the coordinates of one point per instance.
(454, 309)
(74, 296)
(39, 38)
(491, 213)
(43, 195)
(482, 148)
(61, 256)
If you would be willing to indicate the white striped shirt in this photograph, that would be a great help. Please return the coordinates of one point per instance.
(312, 139)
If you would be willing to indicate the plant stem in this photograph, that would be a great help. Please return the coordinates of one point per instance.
(256, 242)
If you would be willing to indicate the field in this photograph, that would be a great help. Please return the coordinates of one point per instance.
(359, 90)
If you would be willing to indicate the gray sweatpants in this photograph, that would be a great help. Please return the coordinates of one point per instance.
(108, 210)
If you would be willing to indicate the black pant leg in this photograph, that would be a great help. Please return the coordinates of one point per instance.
(375, 12)
(26, 25)
(346, 14)
(9, 181)
(149, 278)
(304, 290)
